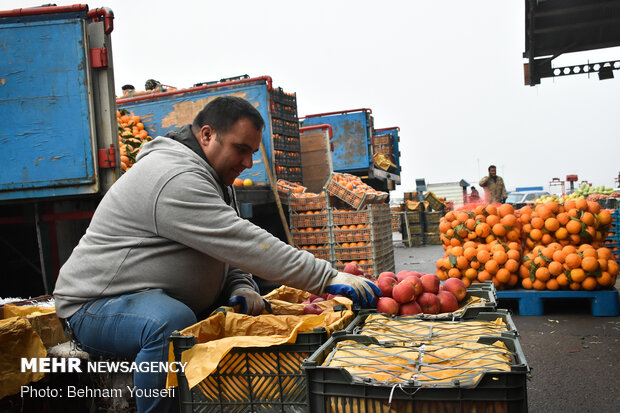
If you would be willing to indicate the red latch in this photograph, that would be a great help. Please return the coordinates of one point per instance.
(99, 57)
(107, 157)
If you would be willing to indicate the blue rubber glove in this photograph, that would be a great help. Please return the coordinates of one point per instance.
(360, 290)
(249, 301)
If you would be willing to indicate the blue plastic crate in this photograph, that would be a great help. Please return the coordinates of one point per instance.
(604, 302)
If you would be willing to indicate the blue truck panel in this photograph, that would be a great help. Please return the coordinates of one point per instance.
(394, 132)
(163, 113)
(46, 138)
(352, 139)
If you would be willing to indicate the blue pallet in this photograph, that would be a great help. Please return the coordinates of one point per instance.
(604, 302)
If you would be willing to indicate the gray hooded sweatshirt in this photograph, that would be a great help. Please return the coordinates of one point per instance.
(165, 224)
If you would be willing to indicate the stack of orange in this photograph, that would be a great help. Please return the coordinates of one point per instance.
(131, 136)
(472, 262)
(483, 224)
(554, 267)
(573, 223)
(550, 246)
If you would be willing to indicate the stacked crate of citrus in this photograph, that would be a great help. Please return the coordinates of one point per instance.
(549, 246)
(131, 136)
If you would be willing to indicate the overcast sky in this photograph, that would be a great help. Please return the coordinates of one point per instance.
(448, 73)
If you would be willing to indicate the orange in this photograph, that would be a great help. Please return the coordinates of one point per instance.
(581, 203)
(561, 233)
(461, 216)
(524, 271)
(573, 226)
(490, 209)
(563, 280)
(539, 285)
(548, 252)
(542, 274)
(604, 253)
(603, 264)
(594, 207)
(537, 222)
(553, 206)
(612, 267)
(555, 268)
(577, 275)
(509, 220)
(547, 239)
(466, 281)
(542, 211)
(484, 276)
(491, 266)
(442, 275)
(492, 220)
(562, 218)
(505, 209)
(513, 235)
(588, 251)
(457, 251)
(552, 284)
(552, 224)
(512, 265)
(525, 218)
(604, 217)
(589, 284)
(470, 224)
(469, 253)
(483, 256)
(575, 286)
(462, 263)
(605, 280)
(572, 261)
(475, 264)
(454, 273)
(471, 274)
(587, 218)
(503, 275)
(514, 245)
(500, 257)
(514, 255)
(568, 249)
(526, 283)
(536, 234)
(238, 182)
(499, 230)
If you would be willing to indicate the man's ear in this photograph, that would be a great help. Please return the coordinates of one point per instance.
(206, 134)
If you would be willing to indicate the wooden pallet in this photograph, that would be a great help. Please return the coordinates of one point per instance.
(604, 302)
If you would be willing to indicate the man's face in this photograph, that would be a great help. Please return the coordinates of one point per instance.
(492, 172)
(231, 153)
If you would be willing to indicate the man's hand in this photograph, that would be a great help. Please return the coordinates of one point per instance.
(359, 289)
(250, 301)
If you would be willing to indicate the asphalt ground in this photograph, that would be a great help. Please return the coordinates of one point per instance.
(574, 357)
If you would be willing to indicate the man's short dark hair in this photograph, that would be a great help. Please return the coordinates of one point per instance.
(492, 166)
(128, 87)
(223, 112)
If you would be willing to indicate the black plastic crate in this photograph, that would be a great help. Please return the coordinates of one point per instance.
(333, 389)
(414, 329)
(262, 379)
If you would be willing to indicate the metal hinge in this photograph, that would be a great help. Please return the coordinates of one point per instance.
(99, 57)
(107, 157)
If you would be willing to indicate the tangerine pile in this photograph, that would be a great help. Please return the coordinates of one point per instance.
(131, 136)
(518, 248)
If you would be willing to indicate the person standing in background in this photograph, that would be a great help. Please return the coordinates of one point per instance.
(494, 188)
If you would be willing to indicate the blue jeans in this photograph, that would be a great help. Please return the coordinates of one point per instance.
(136, 327)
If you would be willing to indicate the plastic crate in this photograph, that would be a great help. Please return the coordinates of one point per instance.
(432, 238)
(416, 229)
(308, 203)
(414, 217)
(322, 253)
(310, 237)
(433, 217)
(352, 235)
(266, 379)
(416, 330)
(434, 202)
(333, 389)
(382, 140)
(309, 220)
(356, 200)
